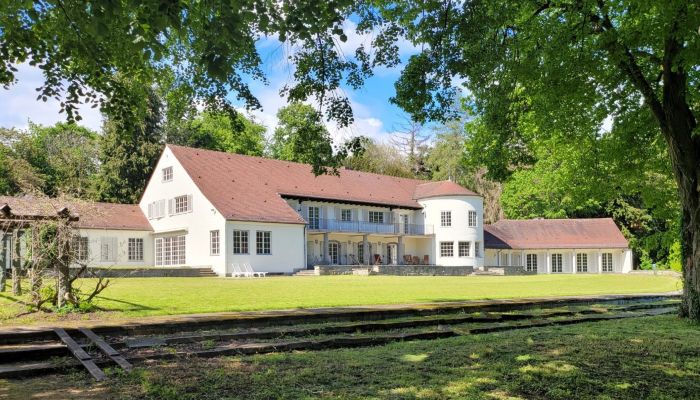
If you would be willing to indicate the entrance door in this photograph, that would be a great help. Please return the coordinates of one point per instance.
(392, 253)
(334, 252)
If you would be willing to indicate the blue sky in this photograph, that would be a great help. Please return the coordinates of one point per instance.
(374, 115)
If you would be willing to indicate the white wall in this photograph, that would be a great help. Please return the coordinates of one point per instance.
(459, 231)
(287, 247)
(121, 237)
(622, 259)
(195, 225)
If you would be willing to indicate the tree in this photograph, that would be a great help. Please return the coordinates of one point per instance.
(565, 67)
(128, 154)
(302, 137)
(16, 175)
(380, 158)
(65, 155)
(411, 138)
(221, 132)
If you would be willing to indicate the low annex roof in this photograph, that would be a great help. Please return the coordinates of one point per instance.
(248, 188)
(554, 234)
(90, 215)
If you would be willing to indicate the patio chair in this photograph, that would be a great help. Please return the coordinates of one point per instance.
(252, 272)
(377, 259)
(426, 260)
(237, 272)
(415, 260)
(353, 260)
(407, 259)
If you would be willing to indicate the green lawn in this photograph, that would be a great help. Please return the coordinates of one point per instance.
(129, 297)
(643, 358)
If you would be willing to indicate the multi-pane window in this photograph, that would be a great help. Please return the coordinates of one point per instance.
(170, 250)
(406, 226)
(581, 262)
(445, 218)
(531, 262)
(557, 262)
(182, 204)
(607, 263)
(361, 253)
(135, 249)
(346, 215)
(447, 249)
(240, 242)
(334, 252)
(463, 249)
(472, 219)
(376, 217)
(81, 248)
(108, 249)
(314, 217)
(504, 259)
(167, 174)
(214, 243)
(262, 242)
(477, 249)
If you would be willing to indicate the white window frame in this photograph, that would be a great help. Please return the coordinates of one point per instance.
(346, 214)
(445, 219)
(82, 248)
(135, 249)
(447, 249)
(243, 245)
(263, 243)
(108, 249)
(314, 215)
(557, 263)
(375, 217)
(214, 242)
(167, 174)
(581, 262)
(472, 219)
(464, 249)
(181, 204)
(606, 262)
(171, 250)
(531, 262)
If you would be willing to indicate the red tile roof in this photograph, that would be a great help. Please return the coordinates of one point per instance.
(554, 234)
(90, 215)
(247, 188)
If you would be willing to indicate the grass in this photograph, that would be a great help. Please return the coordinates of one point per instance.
(643, 358)
(138, 297)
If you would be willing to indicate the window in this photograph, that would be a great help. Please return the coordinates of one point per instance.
(472, 219)
(504, 259)
(262, 242)
(531, 262)
(240, 242)
(81, 248)
(477, 249)
(346, 215)
(361, 253)
(214, 248)
(181, 204)
(447, 249)
(445, 218)
(334, 252)
(108, 249)
(135, 249)
(156, 209)
(314, 218)
(463, 249)
(170, 250)
(557, 262)
(406, 226)
(581, 262)
(607, 263)
(167, 174)
(376, 217)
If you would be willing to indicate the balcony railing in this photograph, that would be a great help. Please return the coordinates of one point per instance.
(397, 228)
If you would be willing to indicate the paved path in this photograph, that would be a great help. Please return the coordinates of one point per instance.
(257, 317)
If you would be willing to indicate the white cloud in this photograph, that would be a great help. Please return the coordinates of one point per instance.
(19, 104)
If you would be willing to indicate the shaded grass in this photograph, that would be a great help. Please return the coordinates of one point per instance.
(644, 358)
(135, 297)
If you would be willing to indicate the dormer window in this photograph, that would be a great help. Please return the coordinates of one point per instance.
(167, 174)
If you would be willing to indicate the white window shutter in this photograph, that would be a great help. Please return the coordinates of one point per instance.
(150, 210)
(189, 203)
(171, 206)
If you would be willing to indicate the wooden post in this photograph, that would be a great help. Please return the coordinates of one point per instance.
(63, 268)
(3, 262)
(16, 264)
(35, 280)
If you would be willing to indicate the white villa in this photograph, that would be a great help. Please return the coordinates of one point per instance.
(205, 208)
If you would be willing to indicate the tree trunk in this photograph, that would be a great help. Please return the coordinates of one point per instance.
(63, 284)
(34, 270)
(16, 264)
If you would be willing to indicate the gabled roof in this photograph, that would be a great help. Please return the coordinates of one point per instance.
(247, 188)
(90, 215)
(554, 234)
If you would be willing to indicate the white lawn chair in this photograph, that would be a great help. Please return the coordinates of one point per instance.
(237, 272)
(252, 272)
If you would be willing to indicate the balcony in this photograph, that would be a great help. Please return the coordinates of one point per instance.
(335, 225)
